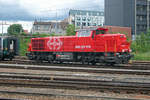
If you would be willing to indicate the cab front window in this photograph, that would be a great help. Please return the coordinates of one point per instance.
(84, 33)
(100, 32)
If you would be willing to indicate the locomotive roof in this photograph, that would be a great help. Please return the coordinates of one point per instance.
(92, 28)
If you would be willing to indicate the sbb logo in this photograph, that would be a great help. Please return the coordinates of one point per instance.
(54, 43)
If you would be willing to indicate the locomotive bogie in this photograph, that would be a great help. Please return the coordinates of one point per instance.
(88, 57)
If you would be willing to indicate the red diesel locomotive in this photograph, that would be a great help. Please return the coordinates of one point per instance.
(92, 45)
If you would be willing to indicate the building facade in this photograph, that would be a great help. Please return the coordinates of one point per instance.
(84, 18)
(58, 28)
(128, 13)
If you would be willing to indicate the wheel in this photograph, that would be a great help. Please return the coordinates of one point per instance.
(10, 59)
(93, 63)
(39, 61)
(125, 61)
(112, 64)
(50, 61)
(59, 62)
(1, 59)
(109, 64)
(83, 60)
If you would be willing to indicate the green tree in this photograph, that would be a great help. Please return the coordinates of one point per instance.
(142, 43)
(70, 30)
(15, 29)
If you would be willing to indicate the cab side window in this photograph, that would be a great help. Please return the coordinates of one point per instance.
(100, 32)
(84, 33)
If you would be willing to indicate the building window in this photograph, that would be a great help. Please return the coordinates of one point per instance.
(96, 19)
(78, 23)
(89, 19)
(83, 24)
(83, 13)
(37, 27)
(141, 18)
(87, 13)
(141, 27)
(78, 13)
(46, 28)
(55, 25)
(84, 18)
(97, 14)
(90, 13)
(89, 24)
(100, 25)
(78, 18)
(94, 24)
(144, 27)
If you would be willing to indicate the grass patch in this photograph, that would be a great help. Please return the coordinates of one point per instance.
(142, 56)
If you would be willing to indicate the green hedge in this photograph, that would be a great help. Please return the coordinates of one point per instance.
(24, 41)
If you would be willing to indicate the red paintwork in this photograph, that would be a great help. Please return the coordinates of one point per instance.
(98, 43)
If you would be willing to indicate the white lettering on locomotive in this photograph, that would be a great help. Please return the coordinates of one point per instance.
(82, 46)
(54, 43)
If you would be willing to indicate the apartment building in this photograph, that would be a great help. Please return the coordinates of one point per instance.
(128, 13)
(84, 18)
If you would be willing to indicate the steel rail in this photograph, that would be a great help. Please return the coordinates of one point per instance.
(76, 84)
(141, 66)
(63, 95)
(76, 69)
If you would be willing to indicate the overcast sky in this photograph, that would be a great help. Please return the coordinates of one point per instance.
(31, 9)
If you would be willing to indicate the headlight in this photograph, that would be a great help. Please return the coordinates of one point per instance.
(123, 50)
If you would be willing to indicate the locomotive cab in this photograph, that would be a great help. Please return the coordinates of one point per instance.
(112, 48)
(93, 32)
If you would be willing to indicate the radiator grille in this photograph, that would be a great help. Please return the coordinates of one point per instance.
(38, 44)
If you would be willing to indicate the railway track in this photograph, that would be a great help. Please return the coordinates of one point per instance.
(73, 83)
(61, 81)
(62, 95)
(141, 65)
(77, 69)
